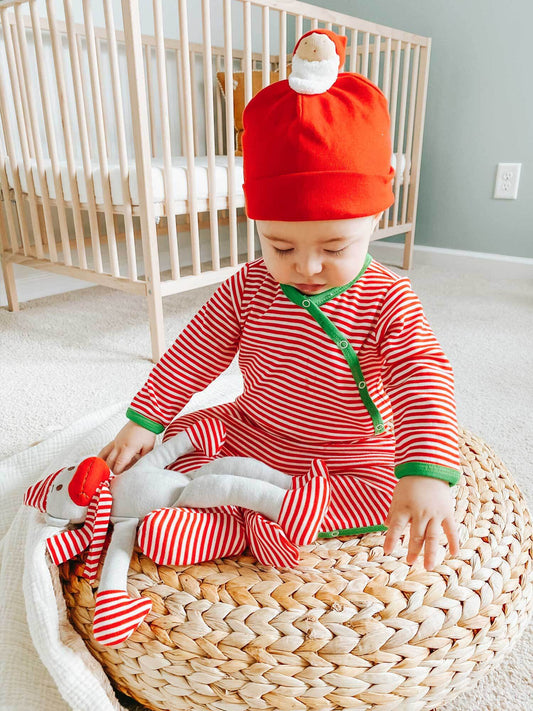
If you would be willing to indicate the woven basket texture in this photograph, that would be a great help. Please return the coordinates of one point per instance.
(350, 628)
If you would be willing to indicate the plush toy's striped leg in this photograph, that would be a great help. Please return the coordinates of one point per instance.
(176, 536)
(117, 615)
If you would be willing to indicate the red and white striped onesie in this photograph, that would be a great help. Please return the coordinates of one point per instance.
(354, 376)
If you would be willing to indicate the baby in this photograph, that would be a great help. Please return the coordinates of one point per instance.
(341, 369)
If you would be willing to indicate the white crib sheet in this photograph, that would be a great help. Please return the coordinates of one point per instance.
(178, 180)
(178, 176)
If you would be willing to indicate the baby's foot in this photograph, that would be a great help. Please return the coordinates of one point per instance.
(305, 505)
(268, 542)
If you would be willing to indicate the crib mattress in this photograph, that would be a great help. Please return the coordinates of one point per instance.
(178, 179)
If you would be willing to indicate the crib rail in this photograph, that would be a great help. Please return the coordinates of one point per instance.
(105, 107)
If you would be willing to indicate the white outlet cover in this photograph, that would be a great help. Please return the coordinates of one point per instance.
(507, 179)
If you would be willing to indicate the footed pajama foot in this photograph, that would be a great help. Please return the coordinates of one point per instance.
(305, 505)
(117, 616)
(268, 541)
(207, 436)
(186, 536)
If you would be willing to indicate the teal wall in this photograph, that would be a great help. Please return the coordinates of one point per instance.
(479, 113)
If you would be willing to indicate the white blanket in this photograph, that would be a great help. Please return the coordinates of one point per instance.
(44, 663)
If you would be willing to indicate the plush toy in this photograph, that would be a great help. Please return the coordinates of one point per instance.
(90, 494)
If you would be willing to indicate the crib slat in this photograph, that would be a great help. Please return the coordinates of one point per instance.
(230, 134)
(376, 57)
(410, 127)
(210, 135)
(137, 96)
(50, 135)
(151, 102)
(4, 185)
(283, 45)
(421, 96)
(34, 128)
(67, 135)
(10, 147)
(165, 138)
(387, 69)
(24, 80)
(393, 107)
(26, 112)
(192, 61)
(100, 137)
(220, 116)
(314, 23)
(247, 23)
(401, 129)
(353, 51)
(265, 63)
(364, 58)
(121, 138)
(181, 102)
(299, 28)
(83, 136)
(189, 140)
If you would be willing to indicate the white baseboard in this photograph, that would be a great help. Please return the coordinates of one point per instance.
(35, 284)
(458, 252)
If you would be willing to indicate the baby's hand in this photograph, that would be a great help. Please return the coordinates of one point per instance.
(427, 504)
(131, 443)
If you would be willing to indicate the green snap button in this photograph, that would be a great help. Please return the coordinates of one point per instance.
(306, 303)
(380, 428)
(343, 344)
(334, 534)
(362, 385)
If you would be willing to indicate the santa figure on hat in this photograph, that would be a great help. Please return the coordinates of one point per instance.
(317, 59)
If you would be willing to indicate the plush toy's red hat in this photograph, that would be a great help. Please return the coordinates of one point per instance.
(317, 146)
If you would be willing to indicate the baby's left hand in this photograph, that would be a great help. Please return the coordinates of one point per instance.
(427, 504)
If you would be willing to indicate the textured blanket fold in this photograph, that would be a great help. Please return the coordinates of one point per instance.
(44, 663)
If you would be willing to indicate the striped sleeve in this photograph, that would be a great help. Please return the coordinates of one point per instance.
(202, 351)
(418, 379)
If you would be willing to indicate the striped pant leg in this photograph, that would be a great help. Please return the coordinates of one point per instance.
(360, 499)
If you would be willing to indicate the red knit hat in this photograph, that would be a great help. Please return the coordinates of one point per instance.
(317, 146)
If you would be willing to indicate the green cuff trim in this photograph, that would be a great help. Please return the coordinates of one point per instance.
(352, 531)
(144, 421)
(434, 471)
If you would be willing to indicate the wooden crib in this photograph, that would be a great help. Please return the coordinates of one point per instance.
(120, 158)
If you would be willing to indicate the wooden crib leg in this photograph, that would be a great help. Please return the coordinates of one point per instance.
(11, 288)
(155, 315)
(408, 249)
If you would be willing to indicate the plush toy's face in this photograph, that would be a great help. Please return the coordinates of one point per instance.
(65, 496)
(59, 505)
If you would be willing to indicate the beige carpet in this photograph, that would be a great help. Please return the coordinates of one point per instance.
(64, 356)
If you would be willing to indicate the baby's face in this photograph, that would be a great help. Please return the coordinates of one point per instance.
(318, 255)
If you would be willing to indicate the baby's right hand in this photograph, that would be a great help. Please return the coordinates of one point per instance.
(131, 443)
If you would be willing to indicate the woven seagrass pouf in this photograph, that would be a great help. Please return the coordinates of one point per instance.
(349, 628)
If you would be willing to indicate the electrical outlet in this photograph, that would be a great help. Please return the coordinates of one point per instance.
(507, 178)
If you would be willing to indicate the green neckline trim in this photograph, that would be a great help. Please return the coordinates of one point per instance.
(296, 296)
(144, 421)
(352, 531)
(312, 305)
(434, 471)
